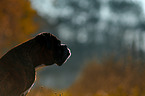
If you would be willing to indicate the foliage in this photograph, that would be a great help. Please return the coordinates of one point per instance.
(42, 91)
(16, 22)
(123, 77)
(111, 77)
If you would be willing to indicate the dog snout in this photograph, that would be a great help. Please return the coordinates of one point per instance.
(63, 45)
(66, 49)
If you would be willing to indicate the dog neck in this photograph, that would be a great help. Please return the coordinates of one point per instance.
(22, 54)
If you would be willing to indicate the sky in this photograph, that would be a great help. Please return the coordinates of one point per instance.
(143, 5)
(47, 8)
(44, 7)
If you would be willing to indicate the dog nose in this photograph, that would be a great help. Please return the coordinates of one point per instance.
(64, 46)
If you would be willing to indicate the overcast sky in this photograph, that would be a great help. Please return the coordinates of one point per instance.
(44, 7)
(143, 5)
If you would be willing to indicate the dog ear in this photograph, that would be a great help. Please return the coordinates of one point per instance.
(44, 39)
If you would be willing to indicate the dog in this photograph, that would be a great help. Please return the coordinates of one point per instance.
(17, 66)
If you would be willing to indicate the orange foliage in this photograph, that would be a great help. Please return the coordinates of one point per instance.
(16, 22)
(41, 92)
(111, 77)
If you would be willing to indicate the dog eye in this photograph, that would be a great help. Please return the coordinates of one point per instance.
(58, 45)
(59, 42)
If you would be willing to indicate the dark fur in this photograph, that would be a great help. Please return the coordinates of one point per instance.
(17, 66)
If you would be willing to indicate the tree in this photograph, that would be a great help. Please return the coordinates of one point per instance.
(16, 22)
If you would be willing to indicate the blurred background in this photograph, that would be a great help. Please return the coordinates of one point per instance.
(106, 38)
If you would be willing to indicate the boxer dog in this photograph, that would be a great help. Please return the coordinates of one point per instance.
(17, 66)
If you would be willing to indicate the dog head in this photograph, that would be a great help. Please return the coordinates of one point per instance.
(52, 50)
